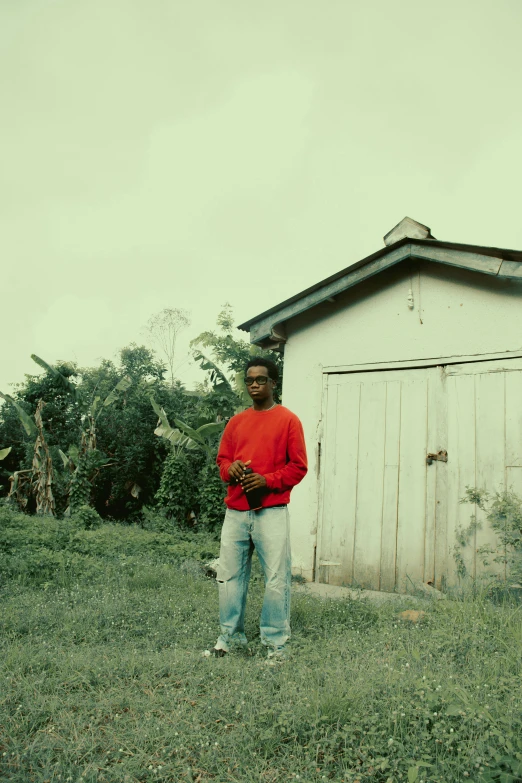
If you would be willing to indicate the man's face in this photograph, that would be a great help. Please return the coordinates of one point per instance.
(259, 391)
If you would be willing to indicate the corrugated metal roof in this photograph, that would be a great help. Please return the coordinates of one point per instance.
(494, 252)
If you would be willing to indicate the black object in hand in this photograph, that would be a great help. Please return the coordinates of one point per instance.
(255, 496)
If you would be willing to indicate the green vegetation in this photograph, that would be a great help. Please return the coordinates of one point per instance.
(89, 436)
(503, 563)
(104, 625)
(102, 677)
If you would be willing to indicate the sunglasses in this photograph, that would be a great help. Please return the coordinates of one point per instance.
(260, 380)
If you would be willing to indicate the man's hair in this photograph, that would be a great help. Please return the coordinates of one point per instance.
(260, 361)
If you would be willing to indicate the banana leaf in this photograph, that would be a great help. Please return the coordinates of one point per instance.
(217, 372)
(241, 391)
(164, 430)
(5, 452)
(97, 400)
(200, 435)
(193, 434)
(160, 413)
(123, 385)
(135, 491)
(64, 382)
(175, 437)
(28, 423)
(207, 430)
(65, 458)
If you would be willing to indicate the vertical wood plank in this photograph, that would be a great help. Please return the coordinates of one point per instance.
(441, 487)
(461, 468)
(514, 432)
(514, 480)
(335, 550)
(435, 531)
(390, 486)
(367, 547)
(412, 484)
(433, 415)
(329, 480)
(491, 450)
(514, 419)
(348, 444)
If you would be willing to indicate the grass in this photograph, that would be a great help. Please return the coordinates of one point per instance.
(102, 678)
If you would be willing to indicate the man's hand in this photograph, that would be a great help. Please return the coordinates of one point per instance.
(253, 481)
(235, 471)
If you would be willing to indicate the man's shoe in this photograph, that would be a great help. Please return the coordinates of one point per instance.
(218, 653)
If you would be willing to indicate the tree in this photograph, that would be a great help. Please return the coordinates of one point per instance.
(127, 436)
(37, 481)
(190, 487)
(86, 456)
(185, 436)
(163, 329)
(113, 429)
(42, 468)
(223, 392)
(3, 454)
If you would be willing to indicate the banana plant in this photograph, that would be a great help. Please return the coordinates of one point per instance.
(20, 480)
(176, 438)
(62, 381)
(27, 423)
(19, 490)
(88, 437)
(185, 437)
(86, 461)
(3, 454)
(42, 468)
(235, 389)
(42, 464)
(88, 441)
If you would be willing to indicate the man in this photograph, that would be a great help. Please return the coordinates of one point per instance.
(269, 439)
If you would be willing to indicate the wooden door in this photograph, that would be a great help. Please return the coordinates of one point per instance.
(388, 520)
(484, 446)
(381, 502)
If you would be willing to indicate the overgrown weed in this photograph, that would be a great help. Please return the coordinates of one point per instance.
(103, 680)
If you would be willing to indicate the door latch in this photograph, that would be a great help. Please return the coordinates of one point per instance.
(441, 456)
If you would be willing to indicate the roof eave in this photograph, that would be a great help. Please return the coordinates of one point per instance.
(265, 329)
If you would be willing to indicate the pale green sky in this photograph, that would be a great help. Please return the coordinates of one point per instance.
(160, 153)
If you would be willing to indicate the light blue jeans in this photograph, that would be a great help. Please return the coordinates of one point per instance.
(268, 531)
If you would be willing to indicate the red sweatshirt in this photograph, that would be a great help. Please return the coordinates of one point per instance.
(274, 442)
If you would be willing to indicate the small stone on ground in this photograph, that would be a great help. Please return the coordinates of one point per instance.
(412, 615)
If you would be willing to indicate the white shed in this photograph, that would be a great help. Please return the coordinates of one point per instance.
(415, 350)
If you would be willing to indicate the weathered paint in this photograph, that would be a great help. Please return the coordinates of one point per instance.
(456, 313)
(263, 327)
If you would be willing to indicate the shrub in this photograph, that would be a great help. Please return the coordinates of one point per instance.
(190, 493)
(503, 512)
(176, 497)
(210, 501)
(86, 517)
(44, 549)
(157, 521)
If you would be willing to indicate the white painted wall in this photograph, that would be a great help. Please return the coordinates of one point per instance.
(463, 313)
